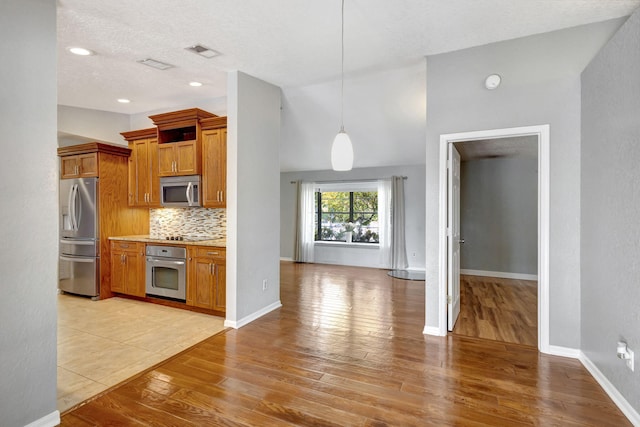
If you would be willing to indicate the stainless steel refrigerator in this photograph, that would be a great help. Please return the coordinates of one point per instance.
(79, 271)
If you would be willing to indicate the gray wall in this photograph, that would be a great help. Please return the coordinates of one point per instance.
(253, 204)
(29, 226)
(94, 125)
(499, 215)
(541, 85)
(610, 204)
(414, 211)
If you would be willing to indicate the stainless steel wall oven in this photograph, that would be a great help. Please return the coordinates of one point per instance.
(166, 272)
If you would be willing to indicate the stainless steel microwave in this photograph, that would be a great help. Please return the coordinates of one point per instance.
(180, 191)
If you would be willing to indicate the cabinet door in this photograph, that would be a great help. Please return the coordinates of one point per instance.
(220, 288)
(153, 188)
(117, 270)
(132, 183)
(132, 277)
(214, 168)
(186, 157)
(203, 289)
(166, 159)
(140, 148)
(88, 165)
(68, 167)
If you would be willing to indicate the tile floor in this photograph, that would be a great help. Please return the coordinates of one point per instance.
(101, 343)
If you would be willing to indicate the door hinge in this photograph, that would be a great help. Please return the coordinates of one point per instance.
(449, 299)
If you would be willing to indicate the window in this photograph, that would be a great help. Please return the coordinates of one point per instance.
(352, 210)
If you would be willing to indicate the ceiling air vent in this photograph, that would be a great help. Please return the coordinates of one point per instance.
(155, 64)
(203, 51)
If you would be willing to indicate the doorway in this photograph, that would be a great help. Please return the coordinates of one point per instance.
(541, 133)
(499, 242)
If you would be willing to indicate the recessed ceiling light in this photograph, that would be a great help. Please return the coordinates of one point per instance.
(124, 100)
(203, 51)
(81, 51)
(195, 84)
(155, 64)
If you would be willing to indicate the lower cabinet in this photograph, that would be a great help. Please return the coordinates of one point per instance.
(127, 268)
(207, 277)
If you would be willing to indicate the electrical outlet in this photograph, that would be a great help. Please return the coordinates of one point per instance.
(630, 360)
(265, 285)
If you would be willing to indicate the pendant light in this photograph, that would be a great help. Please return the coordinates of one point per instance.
(342, 150)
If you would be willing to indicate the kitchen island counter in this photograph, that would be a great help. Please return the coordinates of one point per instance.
(218, 243)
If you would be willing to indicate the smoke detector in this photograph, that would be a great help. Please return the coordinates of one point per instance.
(202, 51)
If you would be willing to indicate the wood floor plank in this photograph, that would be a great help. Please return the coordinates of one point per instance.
(347, 348)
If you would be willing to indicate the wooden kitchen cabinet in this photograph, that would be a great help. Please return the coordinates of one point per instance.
(115, 217)
(128, 268)
(180, 141)
(207, 279)
(144, 183)
(214, 162)
(79, 166)
(179, 158)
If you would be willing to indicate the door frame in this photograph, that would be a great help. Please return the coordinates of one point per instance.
(542, 132)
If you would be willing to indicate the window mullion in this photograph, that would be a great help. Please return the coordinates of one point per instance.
(351, 206)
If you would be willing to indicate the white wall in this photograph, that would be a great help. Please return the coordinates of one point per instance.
(357, 255)
(253, 203)
(383, 114)
(93, 125)
(610, 205)
(29, 226)
(541, 85)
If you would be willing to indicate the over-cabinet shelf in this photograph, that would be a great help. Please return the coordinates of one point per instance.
(180, 141)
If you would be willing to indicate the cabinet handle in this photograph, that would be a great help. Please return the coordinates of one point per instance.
(122, 245)
(213, 253)
(211, 268)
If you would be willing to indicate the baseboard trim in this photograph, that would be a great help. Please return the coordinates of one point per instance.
(50, 420)
(500, 274)
(422, 270)
(286, 259)
(611, 390)
(253, 316)
(433, 330)
(556, 350)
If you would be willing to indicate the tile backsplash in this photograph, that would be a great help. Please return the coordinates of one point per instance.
(188, 222)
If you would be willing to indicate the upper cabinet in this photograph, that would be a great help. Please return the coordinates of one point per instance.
(214, 162)
(144, 185)
(180, 141)
(79, 166)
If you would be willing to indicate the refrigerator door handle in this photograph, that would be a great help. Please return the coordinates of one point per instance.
(78, 242)
(87, 260)
(78, 212)
(70, 204)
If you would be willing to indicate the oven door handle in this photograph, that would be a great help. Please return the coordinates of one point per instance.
(160, 263)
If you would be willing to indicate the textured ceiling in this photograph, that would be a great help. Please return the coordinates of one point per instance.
(285, 42)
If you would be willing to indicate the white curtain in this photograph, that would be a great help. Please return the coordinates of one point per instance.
(305, 222)
(393, 251)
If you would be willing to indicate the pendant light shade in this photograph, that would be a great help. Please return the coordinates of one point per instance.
(342, 150)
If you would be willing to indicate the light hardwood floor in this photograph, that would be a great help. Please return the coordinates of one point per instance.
(347, 349)
(102, 343)
(498, 309)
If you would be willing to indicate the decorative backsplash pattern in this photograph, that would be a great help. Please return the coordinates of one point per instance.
(188, 222)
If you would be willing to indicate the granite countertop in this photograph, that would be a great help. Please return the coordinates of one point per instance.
(145, 238)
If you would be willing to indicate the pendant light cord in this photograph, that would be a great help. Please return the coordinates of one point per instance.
(342, 74)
